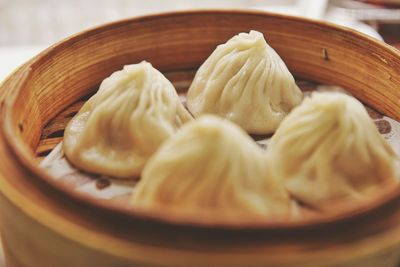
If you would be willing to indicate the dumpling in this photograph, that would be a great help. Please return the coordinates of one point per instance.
(210, 165)
(119, 128)
(245, 81)
(328, 148)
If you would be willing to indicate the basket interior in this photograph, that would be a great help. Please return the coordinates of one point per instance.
(57, 82)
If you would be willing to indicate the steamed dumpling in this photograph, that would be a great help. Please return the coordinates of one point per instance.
(245, 81)
(210, 165)
(328, 148)
(119, 128)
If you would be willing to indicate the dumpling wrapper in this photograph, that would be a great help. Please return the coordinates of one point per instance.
(210, 165)
(119, 128)
(245, 81)
(329, 148)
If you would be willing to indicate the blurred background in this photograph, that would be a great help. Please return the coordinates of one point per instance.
(29, 26)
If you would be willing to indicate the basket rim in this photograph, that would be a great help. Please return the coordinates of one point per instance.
(343, 211)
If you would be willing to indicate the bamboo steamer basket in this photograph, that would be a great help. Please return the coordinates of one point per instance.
(44, 224)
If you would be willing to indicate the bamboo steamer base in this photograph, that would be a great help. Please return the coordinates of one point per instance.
(44, 224)
(23, 248)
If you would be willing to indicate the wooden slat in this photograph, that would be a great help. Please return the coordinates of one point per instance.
(46, 145)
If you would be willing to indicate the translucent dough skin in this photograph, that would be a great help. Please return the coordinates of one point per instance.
(245, 81)
(328, 148)
(210, 165)
(119, 128)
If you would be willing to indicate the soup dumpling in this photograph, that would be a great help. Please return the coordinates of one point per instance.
(119, 128)
(245, 81)
(210, 165)
(328, 148)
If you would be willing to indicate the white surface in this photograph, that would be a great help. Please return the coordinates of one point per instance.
(322, 10)
(12, 57)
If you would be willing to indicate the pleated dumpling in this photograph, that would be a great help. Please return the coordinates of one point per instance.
(119, 128)
(245, 81)
(210, 165)
(328, 148)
